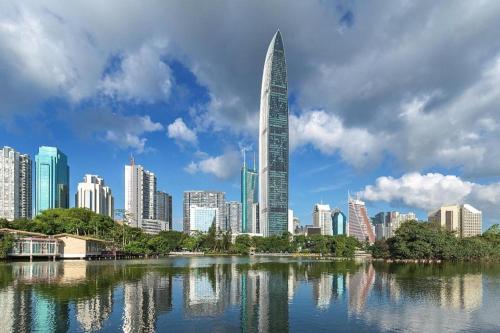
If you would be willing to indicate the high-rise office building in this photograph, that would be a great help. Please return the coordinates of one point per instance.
(291, 226)
(95, 195)
(359, 223)
(322, 218)
(464, 220)
(140, 194)
(233, 215)
(339, 222)
(207, 199)
(273, 142)
(164, 208)
(255, 226)
(52, 179)
(15, 184)
(249, 194)
(202, 218)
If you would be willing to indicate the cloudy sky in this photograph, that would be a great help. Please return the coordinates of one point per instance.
(397, 101)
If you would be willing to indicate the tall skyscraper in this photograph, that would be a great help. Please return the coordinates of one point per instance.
(52, 179)
(95, 195)
(249, 194)
(339, 222)
(164, 208)
(465, 220)
(322, 218)
(15, 184)
(207, 199)
(233, 214)
(359, 223)
(273, 142)
(140, 194)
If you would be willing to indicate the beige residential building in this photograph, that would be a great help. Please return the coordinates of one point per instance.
(465, 220)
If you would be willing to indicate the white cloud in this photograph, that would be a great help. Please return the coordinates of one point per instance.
(223, 166)
(327, 133)
(431, 190)
(181, 133)
(143, 76)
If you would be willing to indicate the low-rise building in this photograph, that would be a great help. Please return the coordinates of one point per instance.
(80, 247)
(32, 244)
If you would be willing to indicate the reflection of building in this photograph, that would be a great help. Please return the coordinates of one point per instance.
(359, 285)
(203, 291)
(145, 300)
(322, 218)
(52, 179)
(16, 309)
(15, 184)
(359, 223)
(273, 142)
(92, 313)
(94, 195)
(465, 220)
(323, 291)
(249, 195)
(203, 199)
(339, 285)
(462, 292)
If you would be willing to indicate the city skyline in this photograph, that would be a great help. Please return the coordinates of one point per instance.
(367, 110)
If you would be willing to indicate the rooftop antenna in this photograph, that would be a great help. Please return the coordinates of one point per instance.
(243, 150)
(132, 161)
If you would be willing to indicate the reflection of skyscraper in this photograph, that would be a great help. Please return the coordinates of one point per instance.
(15, 309)
(249, 195)
(462, 292)
(339, 285)
(273, 141)
(359, 223)
(203, 291)
(322, 290)
(92, 313)
(145, 300)
(359, 285)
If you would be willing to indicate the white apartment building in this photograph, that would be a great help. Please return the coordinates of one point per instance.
(140, 194)
(15, 184)
(322, 218)
(93, 194)
(465, 220)
(291, 223)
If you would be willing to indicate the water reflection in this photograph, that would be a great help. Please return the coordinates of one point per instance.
(245, 294)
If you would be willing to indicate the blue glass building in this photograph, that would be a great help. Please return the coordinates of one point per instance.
(52, 179)
(249, 196)
(339, 221)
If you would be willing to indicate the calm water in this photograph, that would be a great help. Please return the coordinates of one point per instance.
(214, 294)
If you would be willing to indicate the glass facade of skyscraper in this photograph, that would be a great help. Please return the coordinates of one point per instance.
(249, 196)
(274, 142)
(52, 179)
(339, 222)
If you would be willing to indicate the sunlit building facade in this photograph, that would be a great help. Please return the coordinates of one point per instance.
(322, 218)
(207, 199)
(273, 142)
(359, 223)
(249, 195)
(339, 222)
(93, 194)
(464, 220)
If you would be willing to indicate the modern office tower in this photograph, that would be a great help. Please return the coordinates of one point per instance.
(380, 231)
(322, 218)
(206, 199)
(359, 223)
(164, 208)
(255, 226)
(140, 194)
(339, 222)
(291, 228)
(273, 142)
(95, 195)
(52, 179)
(202, 218)
(465, 220)
(233, 215)
(15, 184)
(249, 194)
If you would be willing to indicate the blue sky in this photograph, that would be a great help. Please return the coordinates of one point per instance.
(396, 101)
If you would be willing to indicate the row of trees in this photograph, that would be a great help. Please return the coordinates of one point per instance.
(416, 240)
(84, 222)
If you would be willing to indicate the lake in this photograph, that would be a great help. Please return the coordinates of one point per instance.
(247, 294)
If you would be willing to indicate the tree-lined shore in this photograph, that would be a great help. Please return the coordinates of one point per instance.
(413, 240)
